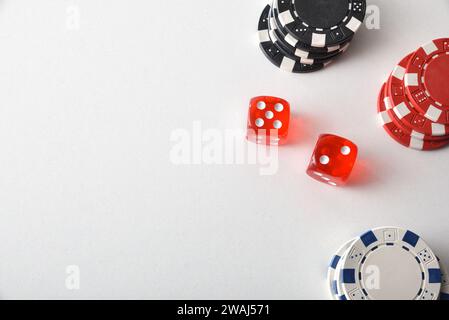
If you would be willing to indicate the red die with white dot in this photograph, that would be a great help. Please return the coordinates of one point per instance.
(333, 160)
(268, 120)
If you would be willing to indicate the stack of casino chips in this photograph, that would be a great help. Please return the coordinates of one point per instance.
(302, 36)
(387, 263)
(413, 104)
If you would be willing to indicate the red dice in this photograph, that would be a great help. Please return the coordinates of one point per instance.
(268, 120)
(333, 160)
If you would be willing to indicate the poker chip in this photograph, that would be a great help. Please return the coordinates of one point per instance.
(427, 80)
(332, 282)
(337, 276)
(319, 43)
(400, 135)
(276, 56)
(295, 53)
(400, 108)
(297, 46)
(415, 106)
(321, 23)
(444, 294)
(390, 263)
(387, 263)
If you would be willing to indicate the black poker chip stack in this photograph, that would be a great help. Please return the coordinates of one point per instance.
(302, 36)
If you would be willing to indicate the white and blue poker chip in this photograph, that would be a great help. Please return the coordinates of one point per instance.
(332, 270)
(444, 294)
(337, 277)
(390, 264)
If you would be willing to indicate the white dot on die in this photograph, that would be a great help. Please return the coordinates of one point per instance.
(345, 150)
(269, 115)
(261, 105)
(259, 122)
(277, 124)
(278, 107)
(324, 160)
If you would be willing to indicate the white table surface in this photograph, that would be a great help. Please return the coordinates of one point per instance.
(91, 92)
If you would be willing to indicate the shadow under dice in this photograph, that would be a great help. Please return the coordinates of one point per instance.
(333, 160)
(268, 120)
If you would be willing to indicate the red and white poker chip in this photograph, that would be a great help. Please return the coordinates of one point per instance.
(427, 80)
(398, 134)
(401, 109)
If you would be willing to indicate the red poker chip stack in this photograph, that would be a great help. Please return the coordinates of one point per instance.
(413, 105)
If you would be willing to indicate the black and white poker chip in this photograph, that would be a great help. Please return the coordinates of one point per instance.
(302, 36)
(322, 23)
(295, 53)
(276, 56)
(294, 42)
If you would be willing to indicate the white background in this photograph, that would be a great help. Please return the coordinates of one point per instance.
(86, 117)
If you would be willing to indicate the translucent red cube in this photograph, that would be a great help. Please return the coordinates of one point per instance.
(333, 160)
(268, 120)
